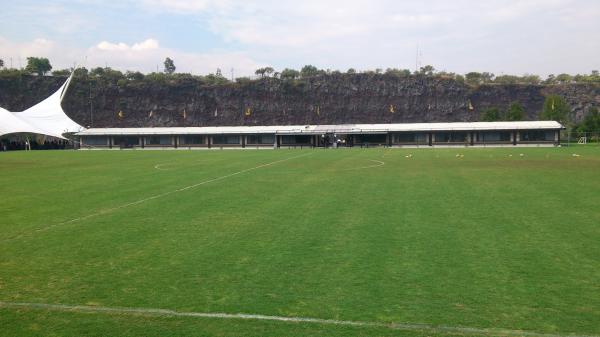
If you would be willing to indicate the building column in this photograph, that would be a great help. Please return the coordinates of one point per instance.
(389, 139)
(243, 141)
(430, 136)
(513, 137)
(143, 142)
(209, 140)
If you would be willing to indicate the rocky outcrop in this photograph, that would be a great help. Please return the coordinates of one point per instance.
(331, 99)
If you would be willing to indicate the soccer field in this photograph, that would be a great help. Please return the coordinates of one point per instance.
(357, 242)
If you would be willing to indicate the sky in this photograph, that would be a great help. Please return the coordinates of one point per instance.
(499, 36)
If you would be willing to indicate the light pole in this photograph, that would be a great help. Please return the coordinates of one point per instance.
(91, 108)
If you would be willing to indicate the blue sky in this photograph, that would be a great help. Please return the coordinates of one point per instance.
(500, 36)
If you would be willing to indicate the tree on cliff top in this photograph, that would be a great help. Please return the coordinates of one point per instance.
(134, 76)
(309, 71)
(81, 72)
(61, 72)
(564, 78)
(427, 70)
(1, 63)
(266, 71)
(475, 78)
(289, 74)
(169, 66)
(397, 72)
(38, 65)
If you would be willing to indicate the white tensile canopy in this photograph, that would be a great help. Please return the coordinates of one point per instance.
(45, 118)
(9, 123)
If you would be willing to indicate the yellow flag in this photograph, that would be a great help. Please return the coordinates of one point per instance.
(248, 112)
(151, 113)
(318, 110)
(392, 110)
(553, 104)
(471, 105)
(184, 114)
(120, 114)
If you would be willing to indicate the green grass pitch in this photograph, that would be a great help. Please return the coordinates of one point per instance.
(495, 239)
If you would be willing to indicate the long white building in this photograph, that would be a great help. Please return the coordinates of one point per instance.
(527, 133)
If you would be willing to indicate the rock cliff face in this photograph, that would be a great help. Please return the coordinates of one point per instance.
(333, 99)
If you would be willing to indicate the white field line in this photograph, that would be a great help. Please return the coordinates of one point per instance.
(378, 163)
(160, 166)
(172, 313)
(137, 202)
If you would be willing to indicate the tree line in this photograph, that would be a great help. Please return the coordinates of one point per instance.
(41, 66)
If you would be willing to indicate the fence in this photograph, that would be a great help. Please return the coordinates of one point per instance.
(574, 138)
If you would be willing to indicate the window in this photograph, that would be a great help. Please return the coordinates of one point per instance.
(537, 136)
(410, 137)
(191, 140)
(451, 137)
(226, 140)
(96, 140)
(159, 140)
(490, 137)
(261, 139)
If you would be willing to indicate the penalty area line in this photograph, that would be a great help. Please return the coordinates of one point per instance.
(140, 201)
(415, 327)
(160, 166)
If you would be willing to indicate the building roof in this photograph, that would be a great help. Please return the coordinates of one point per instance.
(322, 129)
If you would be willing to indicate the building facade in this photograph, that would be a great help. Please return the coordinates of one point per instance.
(527, 133)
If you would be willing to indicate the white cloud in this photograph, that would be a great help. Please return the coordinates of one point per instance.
(460, 35)
(147, 44)
(105, 45)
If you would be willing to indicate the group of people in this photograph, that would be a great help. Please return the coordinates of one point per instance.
(15, 145)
